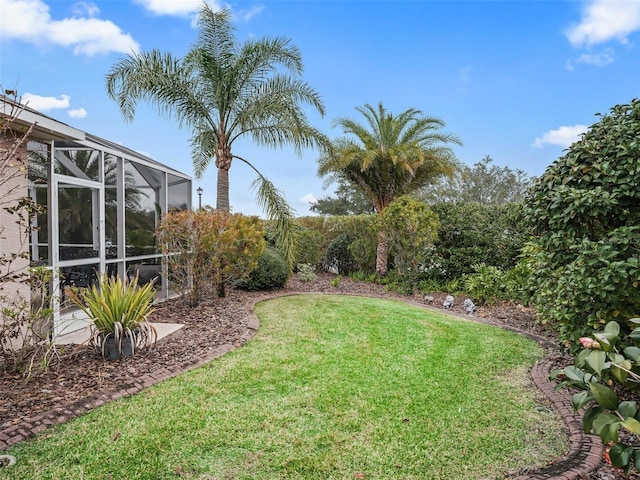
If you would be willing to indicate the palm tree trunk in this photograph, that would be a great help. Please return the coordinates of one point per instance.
(381, 254)
(222, 196)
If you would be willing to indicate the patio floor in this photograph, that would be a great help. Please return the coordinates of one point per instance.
(80, 336)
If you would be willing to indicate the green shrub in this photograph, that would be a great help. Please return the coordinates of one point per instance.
(271, 272)
(361, 276)
(471, 234)
(309, 247)
(363, 229)
(213, 249)
(339, 258)
(489, 284)
(411, 228)
(306, 272)
(607, 362)
(585, 215)
(486, 285)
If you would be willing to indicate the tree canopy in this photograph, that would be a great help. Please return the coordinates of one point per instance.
(484, 183)
(348, 200)
(585, 215)
(389, 156)
(223, 90)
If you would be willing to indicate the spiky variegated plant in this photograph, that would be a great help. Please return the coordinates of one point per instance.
(223, 91)
(118, 309)
(390, 156)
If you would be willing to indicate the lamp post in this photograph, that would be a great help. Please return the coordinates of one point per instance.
(199, 190)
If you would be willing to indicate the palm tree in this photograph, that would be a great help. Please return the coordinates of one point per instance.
(223, 91)
(388, 157)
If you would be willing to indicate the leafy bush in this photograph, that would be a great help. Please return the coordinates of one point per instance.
(362, 228)
(309, 248)
(306, 272)
(607, 362)
(25, 328)
(339, 258)
(25, 296)
(471, 234)
(361, 276)
(213, 249)
(411, 228)
(585, 215)
(486, 285)
(271, 272)
(489, 284)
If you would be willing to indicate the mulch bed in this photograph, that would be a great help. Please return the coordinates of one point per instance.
(78, 372)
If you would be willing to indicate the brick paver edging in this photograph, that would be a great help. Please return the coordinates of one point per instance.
(584, 456)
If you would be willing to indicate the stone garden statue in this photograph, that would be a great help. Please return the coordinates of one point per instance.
(448, 302)
(469, 306)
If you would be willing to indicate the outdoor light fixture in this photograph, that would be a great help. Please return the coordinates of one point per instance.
(199, 190)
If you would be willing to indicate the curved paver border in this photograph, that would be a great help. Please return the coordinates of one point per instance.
(584, 456)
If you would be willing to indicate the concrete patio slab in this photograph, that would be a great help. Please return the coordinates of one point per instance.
(81, 336)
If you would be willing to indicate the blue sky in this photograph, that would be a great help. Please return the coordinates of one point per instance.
(515, 80)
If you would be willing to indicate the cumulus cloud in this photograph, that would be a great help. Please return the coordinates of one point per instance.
(605, 20)
(563, 136)
(30, 21)
(43, 104)
(308, 198)
(77, 113)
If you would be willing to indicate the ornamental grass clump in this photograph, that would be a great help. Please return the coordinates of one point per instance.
(118, 310)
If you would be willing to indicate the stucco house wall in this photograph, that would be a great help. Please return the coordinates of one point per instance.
(14, 239)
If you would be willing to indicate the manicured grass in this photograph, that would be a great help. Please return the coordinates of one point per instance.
(330, 388)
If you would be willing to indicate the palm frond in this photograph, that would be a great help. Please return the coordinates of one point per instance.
(276, 208)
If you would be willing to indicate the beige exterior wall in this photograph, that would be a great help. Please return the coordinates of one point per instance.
(13, 238)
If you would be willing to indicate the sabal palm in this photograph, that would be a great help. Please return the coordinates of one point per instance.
(223, 91)
(389, 156)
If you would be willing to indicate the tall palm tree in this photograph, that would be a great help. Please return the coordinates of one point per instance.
(388, 157)
(223, 91)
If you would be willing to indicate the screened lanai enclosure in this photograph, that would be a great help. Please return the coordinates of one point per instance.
(103, 204)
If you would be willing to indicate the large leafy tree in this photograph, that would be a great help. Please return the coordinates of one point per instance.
(349, 200)
(484, 183)
(223, 90)
(389, 156)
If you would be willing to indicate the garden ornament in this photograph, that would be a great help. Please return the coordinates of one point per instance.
(448, 302)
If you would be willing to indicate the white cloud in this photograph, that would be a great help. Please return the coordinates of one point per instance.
(308, 198)
(77, 113)
(563, 136)
(595, 59)
(30, 21)
(181, 8)
(599, 59)
(604, 20)
(85, 8)
(247, 15)
(40, 103)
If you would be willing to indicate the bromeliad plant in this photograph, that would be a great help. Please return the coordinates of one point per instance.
(609, 366)
(119, 310)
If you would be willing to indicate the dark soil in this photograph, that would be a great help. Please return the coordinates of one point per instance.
(78, 372)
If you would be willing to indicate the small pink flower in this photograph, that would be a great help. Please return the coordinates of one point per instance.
(589, 343)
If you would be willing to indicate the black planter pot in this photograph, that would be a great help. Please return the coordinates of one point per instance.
(110, 349)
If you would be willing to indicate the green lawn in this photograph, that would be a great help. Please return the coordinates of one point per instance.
(331, 387)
